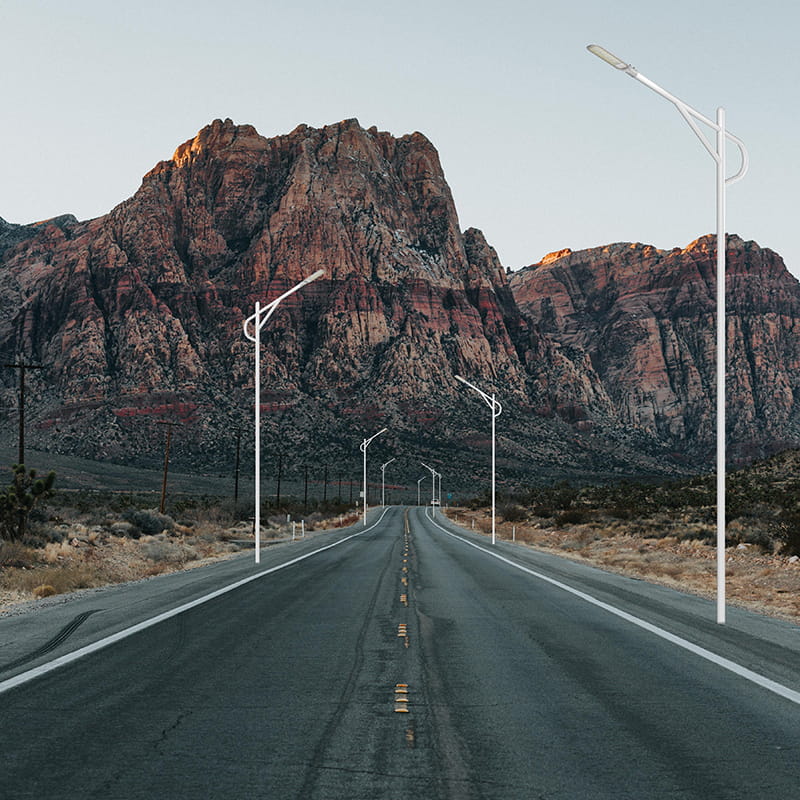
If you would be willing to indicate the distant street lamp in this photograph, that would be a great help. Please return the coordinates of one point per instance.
(418, 483)
(717, 152)
(383, 482)
(496, 410)
(434, 473)
(364, 446)
(257, 321)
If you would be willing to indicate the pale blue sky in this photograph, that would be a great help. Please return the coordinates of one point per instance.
(544, 146)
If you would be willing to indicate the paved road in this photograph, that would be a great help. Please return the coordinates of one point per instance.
(401, 663)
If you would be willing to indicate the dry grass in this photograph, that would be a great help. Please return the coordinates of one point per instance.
(99, 548)
(662, 550)
(61, 579)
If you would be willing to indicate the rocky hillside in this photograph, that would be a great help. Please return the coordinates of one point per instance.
(645, 320)
(136, 318)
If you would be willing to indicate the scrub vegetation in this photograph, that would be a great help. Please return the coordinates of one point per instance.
(667, 532)
(85, 539)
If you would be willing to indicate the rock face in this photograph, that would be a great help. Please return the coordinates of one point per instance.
(137, 315)
(602, 358)
(645, 319)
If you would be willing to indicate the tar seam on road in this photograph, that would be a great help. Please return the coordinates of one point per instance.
(731, 666)
(43, 669)
(58, 639)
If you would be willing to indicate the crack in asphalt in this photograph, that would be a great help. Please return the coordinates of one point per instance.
(316, 762)
(428, 778)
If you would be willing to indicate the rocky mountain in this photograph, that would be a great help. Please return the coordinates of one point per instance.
(136, 318)
(644, 319)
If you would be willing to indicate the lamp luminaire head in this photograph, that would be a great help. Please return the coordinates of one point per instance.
(609, 58)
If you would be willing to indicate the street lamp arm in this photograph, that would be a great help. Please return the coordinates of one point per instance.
(251, 320)
(492, 402)
(486, 397)
(365, 444)
(270, 307)
(686, 111)
(473, 386)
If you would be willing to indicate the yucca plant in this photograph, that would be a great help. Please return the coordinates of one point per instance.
(19, 498)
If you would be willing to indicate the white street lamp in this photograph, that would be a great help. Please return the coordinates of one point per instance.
(434, 473)
(717, 152)
(364, 446)
(383, 482)
(497, 410)
(418, 483)
(257, 321)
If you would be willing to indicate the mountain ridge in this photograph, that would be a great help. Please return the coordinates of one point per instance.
(137, 315)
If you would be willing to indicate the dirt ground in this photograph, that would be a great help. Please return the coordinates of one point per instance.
(90, 556)
(766, 583)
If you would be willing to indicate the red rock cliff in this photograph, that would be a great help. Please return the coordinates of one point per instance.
(646, 320)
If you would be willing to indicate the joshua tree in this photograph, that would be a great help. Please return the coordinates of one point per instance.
(17, 501)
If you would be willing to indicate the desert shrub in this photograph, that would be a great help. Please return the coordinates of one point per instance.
(17, 501)
(121, 528)
(789, 533)
(697, 532)
(64, 578)
(755, 533)
(165, 551)
(148, 521)
(16, 554)
(761, 539)
(481, 501)
(545, 511)
(573, 516)
(50, 534)
(513, 512)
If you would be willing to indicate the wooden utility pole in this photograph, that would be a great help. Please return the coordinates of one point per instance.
(278, 490)
(22, 367)
(166, 464)
(236, 473)
(21, 452)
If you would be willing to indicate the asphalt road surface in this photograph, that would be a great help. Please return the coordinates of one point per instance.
(408, 661)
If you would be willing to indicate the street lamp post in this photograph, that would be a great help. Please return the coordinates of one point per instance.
(419, 481)
(496, 409)
(383, 482)
(364, 446)
(434, 473)
(257, 321)
(717, 152)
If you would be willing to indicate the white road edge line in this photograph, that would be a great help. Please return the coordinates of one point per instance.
(731, 666)
(43, 669)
